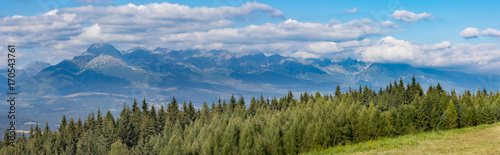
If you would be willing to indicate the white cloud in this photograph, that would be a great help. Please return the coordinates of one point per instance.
(290, 30)
(285, 38)
(324, 47)
(469, 32)
(467, 57)
(491, 32)
(305, 55)
(388, 24)
(407, 16)
(472, 32)
(66, 31)
(353, 10)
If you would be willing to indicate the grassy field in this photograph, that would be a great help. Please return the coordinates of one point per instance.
(483, 139)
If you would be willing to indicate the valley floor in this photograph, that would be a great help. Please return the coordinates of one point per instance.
(483, 139)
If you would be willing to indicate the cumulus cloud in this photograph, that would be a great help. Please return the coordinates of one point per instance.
(469, 32)
(66, 31)
(388, 24)
(305, 55)
(469, 58)
(63, 33)
(410, 17)
(491, 32)
(288, 31)
(353, 10)
(472, 32)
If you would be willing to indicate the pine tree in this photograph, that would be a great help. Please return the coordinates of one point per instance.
(439, 88)
(184, 118)
(135, 109)
(147, 128)
(109, 117)
(253, 107)
(153, 117)
(263, 102)
(125, 128)
(118, 148)
(162, 117)
(387, 124)
(274, 104)
(205, 111)
(6, 139)
(175, 141)
(191, 112)
(110, 134)
(71, 138)
(232, 103)
(99, 120)
(62, 126)
(450, 117)
(87, 144)
(145, 107)
(173, 110)
(337, 92)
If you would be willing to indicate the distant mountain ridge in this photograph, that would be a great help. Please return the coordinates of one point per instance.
(186, 68)
(105, 77)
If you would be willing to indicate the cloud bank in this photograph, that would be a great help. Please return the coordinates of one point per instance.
(462, 57)
(67, 32)
(410, 17)
(472, 32)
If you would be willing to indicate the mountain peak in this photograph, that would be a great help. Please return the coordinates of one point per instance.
(97, 49)
(36, 64)
(33, 68)
(135, 49)
(139, 48)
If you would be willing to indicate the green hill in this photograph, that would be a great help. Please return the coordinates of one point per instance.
(482, 139)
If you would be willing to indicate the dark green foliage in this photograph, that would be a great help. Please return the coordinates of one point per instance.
(173, 110)
(284, 125)
(450, 117)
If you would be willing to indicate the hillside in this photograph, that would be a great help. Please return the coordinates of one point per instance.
(104, 77)
(290, 124)
(483, 139)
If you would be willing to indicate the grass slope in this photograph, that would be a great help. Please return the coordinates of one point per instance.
(483, 139)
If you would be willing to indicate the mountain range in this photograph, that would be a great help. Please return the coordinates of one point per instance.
(106, 78)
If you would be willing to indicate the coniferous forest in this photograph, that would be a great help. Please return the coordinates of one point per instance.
(290, 124)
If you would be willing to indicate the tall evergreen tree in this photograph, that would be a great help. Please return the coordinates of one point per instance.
(450, 117)
(145, 107)
(173, 110)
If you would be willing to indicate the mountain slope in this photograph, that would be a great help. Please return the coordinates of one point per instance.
(106, 77)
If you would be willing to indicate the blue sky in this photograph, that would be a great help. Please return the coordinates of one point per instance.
(459, 35)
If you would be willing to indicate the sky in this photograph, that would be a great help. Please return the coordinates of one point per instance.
(461, 35)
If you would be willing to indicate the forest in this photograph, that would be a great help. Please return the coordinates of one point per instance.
(290, 124)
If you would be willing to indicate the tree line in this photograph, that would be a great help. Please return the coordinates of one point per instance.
(285, 125)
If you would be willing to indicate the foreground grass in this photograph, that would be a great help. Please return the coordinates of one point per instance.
(483, 139)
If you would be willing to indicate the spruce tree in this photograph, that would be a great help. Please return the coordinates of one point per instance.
(450, 117)
(337, 92)
(173, 110)
(253, 107)
(125, 127)
(191, 111)
(162, 117)
(118, 148)
(145, 107)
